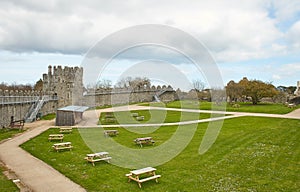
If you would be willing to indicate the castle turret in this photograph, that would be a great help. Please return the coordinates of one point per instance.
(49, 70)
(65, 83)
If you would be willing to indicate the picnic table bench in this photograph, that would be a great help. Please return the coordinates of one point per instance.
(56, 137)
(144, 140)
(109, 115)
(62, 146)
(17, 124)
(110, 120)
(291, 105)
(110, 132)
(134, 114)
(95, 157)
(65, 130)
(140, 118)
(146, 174)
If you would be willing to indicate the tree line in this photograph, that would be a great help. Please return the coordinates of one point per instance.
(38, 86)
(243, 90)
(254, 89)
(247, 90)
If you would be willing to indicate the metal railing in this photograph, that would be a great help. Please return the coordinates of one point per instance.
(8, 100)
(5, 100)
(36, 107)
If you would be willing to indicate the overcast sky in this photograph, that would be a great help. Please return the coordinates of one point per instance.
(258, 39)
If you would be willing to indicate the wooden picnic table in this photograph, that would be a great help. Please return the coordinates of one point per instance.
(95, 157)
(291, 105)
(56, 137)
(142, 175)
(111, 132)
(61, 146)
(65, 130)
(134, 114)
(144, 140)
(140, 118)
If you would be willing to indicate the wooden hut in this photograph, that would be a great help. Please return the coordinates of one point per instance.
(70, 115)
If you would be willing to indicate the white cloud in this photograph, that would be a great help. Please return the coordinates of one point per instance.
(293, 36)
(231, 30)
(285, 10)
(288, 73)
(279, 48)
(276, 77)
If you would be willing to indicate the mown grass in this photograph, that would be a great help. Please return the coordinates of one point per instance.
(151, 116)
(49, 116)
(7, 185)
(8, 133)
(250, 154)
(273, 108)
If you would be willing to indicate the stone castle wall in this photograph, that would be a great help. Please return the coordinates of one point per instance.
(65, 83)
(17, 104)
(18, 111)
(297, 91)
(102, 97)
(114, 97)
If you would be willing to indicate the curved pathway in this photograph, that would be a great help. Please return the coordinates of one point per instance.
(32, 172)
(91, 118)
(39, 176)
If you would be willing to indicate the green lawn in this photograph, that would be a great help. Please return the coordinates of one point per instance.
(250, 154)
(152, 116)
(49, 116)
(244, 107)
(5, 184)
(8, 133)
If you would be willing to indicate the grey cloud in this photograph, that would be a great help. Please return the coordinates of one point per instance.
(73, 27)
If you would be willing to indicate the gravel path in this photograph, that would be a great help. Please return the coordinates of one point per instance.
(39, 176)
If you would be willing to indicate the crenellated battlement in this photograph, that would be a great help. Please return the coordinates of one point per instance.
(20, 93)
(65, 83)
(65, 74)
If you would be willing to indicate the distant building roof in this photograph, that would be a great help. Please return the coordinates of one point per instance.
(73, 108)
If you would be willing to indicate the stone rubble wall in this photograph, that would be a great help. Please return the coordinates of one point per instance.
(297, 91)
(66, 84)
(18, 103)
(102, 97)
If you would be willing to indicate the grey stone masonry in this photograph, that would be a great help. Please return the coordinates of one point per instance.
(65, 83)
(297, 92)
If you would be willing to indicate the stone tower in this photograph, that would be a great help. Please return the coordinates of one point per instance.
(65, 83)
(297, 92)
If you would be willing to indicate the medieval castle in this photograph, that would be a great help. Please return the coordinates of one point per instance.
(63, 87)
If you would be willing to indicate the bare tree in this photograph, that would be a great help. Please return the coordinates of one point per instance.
(133, 83)
(198, 85)
(15, 86)
(104, 84)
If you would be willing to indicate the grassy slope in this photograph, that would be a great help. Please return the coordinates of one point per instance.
(250, 154)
